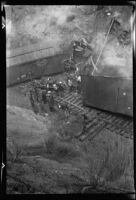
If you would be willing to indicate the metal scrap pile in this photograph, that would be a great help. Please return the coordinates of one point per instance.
(79, 63)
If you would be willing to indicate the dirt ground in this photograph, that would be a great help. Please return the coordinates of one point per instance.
(43, 155)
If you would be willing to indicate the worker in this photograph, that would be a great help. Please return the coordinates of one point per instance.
(66, 109)
(61, 86)
(70, 85)
(36, 95)
(85, 119)
(77, 50)
(50, 100)
(33, 104)
(31, 98)
(44, 96)
(78, 84)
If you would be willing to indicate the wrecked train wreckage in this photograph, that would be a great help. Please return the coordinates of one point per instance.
(108, 93)
(79, 69)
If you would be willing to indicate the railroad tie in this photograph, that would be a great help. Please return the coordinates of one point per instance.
(119, 121)
(90, 125)
(90, 132)
(97, 119)
(126, 124)
(79, 103)
(97, 130)
(110, 118)
(74, 101)
(68, 98)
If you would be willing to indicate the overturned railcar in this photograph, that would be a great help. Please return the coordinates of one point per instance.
(114, 94)
(37, 59)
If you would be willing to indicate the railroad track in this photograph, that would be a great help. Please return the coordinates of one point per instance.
(97, 120)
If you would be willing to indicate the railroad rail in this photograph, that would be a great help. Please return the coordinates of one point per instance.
(97, 119)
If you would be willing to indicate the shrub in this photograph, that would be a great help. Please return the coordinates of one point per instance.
(117, 166)
(70, 18)
(53, 21)
(108, 169)
(59, 149)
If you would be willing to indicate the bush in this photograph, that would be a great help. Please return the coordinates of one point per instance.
(117, 166)
(70, 18)
(13, 150)
(59, 149)
(109, 169)
(53, 21)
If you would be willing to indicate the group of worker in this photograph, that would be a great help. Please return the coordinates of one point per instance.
(41, 94)
(44, 92)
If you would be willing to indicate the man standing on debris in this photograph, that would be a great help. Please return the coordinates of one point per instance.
(82, 51)
(78, 48)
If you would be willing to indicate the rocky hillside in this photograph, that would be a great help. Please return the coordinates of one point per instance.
(27, 25)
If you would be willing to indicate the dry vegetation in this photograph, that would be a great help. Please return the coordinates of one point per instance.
(40, 160)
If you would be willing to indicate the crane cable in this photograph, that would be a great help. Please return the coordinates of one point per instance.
(95, 65)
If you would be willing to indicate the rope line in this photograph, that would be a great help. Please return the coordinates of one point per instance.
(102, 47)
